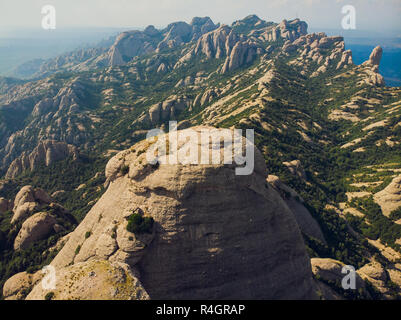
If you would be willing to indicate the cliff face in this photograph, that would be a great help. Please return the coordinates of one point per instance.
(389, 198)
(294, 201)
(372, 67)
(134, 43)
(27, 201)
(54, 118)
(240, 50)
(215, 235)
(46, 153)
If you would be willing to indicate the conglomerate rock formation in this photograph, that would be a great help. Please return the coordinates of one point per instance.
(216, 235)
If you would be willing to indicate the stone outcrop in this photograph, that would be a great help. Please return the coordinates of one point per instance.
(94, 280)
(35, 228)
(135, 43)
(373, 78)
(67, 100)
(389, 199)
(375, 57)
(31, 226)
(162, 68)
(243, 53)
(218, 43)
(19, 285)
(130, 44)
(58, 118)
(206, 97)
(294, 201)
(327, 269)
(285, 30)
(225, 42)
(226, 235)
(27, 201)
(376, 275)
(295, 167)
(185, 82)
(329, 272)
(346, 59)
(166, 110)
(176, 34)
(372, 75)
(200, 26)
(251, 22)
(46, 153)
(292, 30)
(318, 51)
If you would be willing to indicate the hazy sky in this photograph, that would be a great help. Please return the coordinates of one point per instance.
(380, 15)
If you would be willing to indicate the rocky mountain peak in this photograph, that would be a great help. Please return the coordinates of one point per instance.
(134, 43)
(202, 22)
(371, 70)
(292, 30)
(217, 43)
(375, 57)
(200, 26)
(267, 256)
(45, 153)
(389, 198)
(250, 21)
(151, 31)
(224, 42)
(27, 200)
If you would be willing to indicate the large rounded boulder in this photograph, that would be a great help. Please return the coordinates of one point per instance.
(214, 234)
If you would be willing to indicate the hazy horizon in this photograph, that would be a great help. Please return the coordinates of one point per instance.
(380, 16)
(86, 23)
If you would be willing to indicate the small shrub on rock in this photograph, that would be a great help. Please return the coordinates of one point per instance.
(49, 296)
(77, 249)
(138, 224)
(124, 170)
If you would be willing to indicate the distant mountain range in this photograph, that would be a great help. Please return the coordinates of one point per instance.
(20, 46)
